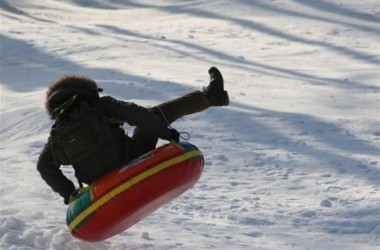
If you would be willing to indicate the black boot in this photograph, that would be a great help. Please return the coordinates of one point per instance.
(215, 92)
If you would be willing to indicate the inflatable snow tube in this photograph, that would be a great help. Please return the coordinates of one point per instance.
(125, 196)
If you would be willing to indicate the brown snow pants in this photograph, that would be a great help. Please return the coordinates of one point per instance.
(141, 142)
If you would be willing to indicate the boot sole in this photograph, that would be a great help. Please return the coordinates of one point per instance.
(226, 98)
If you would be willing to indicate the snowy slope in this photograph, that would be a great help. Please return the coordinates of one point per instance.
(292, 163)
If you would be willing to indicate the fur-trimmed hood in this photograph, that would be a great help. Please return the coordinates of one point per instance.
(68, 86)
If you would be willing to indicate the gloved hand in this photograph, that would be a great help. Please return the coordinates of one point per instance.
(174, 135)
(66, 199)
(70, 198)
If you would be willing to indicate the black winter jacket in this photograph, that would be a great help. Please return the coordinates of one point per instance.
(97, 166)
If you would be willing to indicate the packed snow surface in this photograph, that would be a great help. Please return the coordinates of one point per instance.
(292, 163)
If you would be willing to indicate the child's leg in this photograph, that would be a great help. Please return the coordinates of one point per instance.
(186, 105)
(212, 95)
(168, 112)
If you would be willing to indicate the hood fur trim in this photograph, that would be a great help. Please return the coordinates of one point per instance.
(56, 97)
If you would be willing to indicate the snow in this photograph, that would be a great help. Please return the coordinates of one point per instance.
(292, 163)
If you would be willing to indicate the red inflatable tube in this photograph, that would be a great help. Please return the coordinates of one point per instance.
(127, 195)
